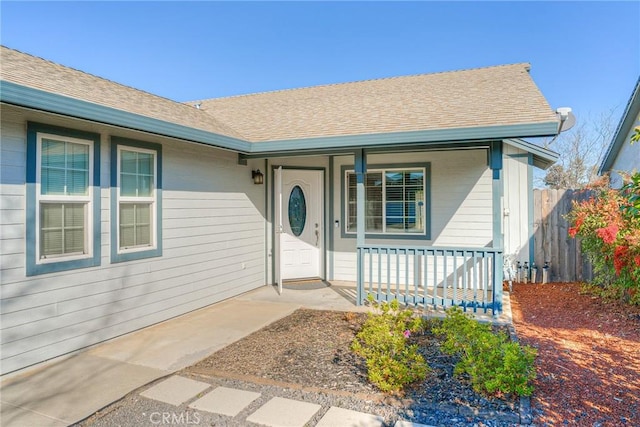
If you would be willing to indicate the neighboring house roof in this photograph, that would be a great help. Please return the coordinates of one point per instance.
(629, 117)
(470, 105)
(504, 95)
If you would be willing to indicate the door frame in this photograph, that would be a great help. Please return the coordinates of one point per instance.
(274, 235)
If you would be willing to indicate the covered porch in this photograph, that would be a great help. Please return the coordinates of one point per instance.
(433, 276)
(447, 249)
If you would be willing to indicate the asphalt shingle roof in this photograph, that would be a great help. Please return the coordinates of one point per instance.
(27, 70)
(501, 95)
(482, 97)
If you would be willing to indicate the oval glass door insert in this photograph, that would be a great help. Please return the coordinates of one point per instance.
(297, 210)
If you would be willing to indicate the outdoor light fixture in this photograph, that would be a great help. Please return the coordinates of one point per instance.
(258, 177)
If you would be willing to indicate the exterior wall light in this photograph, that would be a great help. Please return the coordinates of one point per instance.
(258, 177)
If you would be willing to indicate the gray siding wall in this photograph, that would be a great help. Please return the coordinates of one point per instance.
(213, 248)
(518, 191)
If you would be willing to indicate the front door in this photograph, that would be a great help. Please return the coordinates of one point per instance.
(300, 215)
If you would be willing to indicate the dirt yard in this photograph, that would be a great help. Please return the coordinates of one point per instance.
(588, 355)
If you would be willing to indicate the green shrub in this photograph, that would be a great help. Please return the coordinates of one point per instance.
(391, 362)
(493, 362)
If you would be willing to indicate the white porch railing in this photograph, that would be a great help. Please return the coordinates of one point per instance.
(431, 276)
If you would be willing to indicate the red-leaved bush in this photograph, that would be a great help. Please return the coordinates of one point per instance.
(609, 227)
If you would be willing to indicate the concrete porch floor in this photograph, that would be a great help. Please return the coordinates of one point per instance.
(341, 296)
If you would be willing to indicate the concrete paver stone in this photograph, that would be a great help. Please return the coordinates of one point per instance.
(225, 401)
(347, 418)
(175, 390)
(280, 412)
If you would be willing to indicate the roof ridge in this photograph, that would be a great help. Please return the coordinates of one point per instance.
(526, 65)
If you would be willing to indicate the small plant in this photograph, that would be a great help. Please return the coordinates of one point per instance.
(391, 362)
(494, 363)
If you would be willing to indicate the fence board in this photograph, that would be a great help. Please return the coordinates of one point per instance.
(538, 240)
(551, 238)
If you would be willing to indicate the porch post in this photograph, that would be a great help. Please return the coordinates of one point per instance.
(495, 163)
(360, 169)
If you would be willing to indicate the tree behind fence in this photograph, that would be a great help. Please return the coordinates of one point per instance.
(551, 238)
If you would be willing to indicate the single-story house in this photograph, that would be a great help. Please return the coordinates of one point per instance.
(621, 155)
(121, 209)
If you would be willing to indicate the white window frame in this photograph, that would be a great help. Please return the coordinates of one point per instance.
(41, 199)
(384, 232)
(152, 200)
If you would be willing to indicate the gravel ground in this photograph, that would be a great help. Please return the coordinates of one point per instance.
(306, 357)
(138, 411)
(312, 348)
(588, 369)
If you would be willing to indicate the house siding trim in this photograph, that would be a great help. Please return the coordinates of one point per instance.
(331, 221)
(496, 164)
(157, 251)
(31, 266)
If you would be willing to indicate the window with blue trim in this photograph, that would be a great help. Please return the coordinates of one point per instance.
(396, 201)
(136, 193)
(63, 207)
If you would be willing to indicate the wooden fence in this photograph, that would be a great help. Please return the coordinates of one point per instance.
(551, 239)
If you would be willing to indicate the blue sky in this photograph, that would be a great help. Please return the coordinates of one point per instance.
(585, 55)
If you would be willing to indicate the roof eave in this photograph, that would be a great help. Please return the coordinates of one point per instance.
(28, 97)
(431, 136)
(542, 158)
(624, 127)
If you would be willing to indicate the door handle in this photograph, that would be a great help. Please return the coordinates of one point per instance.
(317, 237)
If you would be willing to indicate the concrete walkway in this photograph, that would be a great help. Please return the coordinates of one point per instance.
(69, 389)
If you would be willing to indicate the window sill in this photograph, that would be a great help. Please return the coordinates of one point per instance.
(135, 254)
